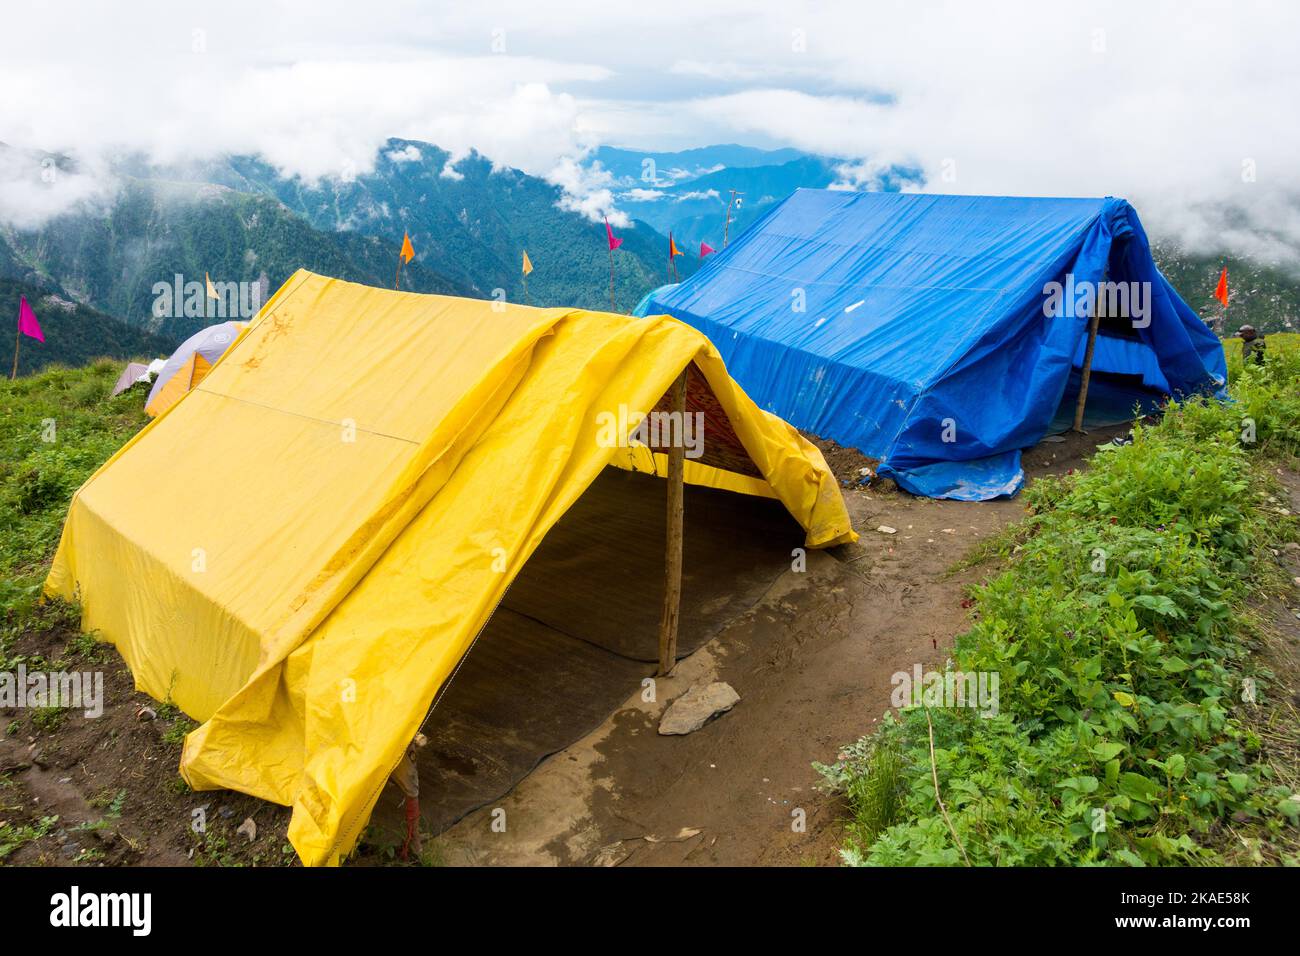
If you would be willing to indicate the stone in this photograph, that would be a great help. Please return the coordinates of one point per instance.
(611, 855)
(697, 706)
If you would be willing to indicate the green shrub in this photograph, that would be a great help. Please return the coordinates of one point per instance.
(1121, 648)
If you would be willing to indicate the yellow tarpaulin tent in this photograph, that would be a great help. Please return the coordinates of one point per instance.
(300, 551)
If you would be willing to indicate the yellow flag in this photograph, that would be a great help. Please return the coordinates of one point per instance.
(212, 292)
(408, 250)
(528, 265)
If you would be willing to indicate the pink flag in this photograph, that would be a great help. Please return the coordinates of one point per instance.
(27, 323)
(613, 243)
(705, 249)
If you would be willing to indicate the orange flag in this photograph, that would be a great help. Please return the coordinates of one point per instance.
(408, 250)
(528, 263)
(672, 247)
(1221, 290)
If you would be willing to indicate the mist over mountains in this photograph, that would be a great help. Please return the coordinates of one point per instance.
(238, 219)
(133, 223)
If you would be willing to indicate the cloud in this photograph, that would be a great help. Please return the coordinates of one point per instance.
(1177, 109)
(311, 96)
(1185, 108)
(410, 153)
(36, 188)
(588, 191)
(697, 194)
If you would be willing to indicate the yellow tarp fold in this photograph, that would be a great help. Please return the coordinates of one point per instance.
(301, 549)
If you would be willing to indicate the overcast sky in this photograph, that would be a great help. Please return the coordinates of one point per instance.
(1182, 107)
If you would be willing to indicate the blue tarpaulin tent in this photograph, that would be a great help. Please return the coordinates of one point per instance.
(927, 331)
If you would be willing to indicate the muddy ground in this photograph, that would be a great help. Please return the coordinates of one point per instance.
(811, 660)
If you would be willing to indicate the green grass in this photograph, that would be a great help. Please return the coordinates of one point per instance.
(1123, 638)
(179, 730)
(56, 428)
(14, 836)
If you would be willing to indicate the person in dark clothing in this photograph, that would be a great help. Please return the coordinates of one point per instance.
(1252, 344)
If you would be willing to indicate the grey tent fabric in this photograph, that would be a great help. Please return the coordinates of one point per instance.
(210, 342)
(133, 372)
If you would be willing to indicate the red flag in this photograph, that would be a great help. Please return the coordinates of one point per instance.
(613, 243)
(27, 323)
(1221, 290)
(672, 247)
(705, 249)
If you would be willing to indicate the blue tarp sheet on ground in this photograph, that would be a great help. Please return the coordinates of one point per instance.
(914, 327)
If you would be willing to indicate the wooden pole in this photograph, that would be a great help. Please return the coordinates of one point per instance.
(526, 299)
(18, 338)
(727, 224)
(1086, 371)
(397, 282)
(612, 306)
(673, 550)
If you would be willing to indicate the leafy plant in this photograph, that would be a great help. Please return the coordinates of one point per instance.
(1123, 654)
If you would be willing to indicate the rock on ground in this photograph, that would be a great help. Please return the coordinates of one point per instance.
(693, 709)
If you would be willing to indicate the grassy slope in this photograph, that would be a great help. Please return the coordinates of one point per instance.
(1127, 629)
(38, 477)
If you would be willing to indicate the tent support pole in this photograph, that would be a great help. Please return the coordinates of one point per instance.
(1086, 372)
(407, 778)
(673, 552)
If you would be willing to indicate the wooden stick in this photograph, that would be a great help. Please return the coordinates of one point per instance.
(526, 299)
(673, 551)
(934, 775)
(406, 775)
(1087, 366)
(726, 227)
(612, 306)
(18, 338)
(397, 283)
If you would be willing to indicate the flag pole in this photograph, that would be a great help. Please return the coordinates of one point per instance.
(612, 306)
(18, 338)
(397, 282)
(526, 299)
(726, 227)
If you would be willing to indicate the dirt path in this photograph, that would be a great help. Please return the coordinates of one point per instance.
(812, 663)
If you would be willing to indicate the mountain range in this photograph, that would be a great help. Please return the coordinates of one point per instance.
(238, 219)
(688, 193)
